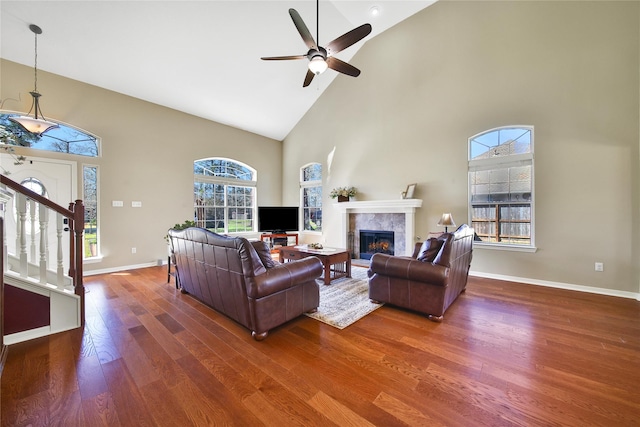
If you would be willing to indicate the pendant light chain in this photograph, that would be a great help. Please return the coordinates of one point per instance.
(35, 66)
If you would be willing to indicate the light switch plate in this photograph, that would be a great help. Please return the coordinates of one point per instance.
(136, 204)
(117, 203)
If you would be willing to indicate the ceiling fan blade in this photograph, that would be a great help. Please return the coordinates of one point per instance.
(347, 39)
(283, 58)
(302, 29)
(342, 67)
(307, 79)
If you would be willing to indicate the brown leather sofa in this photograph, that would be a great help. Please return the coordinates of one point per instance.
(231, 276)
(428, 281)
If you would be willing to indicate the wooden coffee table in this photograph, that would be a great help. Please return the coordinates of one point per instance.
(339, 259)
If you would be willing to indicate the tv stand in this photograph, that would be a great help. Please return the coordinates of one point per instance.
(276, 240)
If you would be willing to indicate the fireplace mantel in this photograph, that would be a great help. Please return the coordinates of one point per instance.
(406, 206)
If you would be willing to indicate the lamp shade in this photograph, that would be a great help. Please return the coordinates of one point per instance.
(446, 221)
(317, 65)
(33, 125)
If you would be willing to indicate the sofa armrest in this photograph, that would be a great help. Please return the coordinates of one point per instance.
(284, 276)
(408, 268)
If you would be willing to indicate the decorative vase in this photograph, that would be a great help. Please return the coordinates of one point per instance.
(343, 198)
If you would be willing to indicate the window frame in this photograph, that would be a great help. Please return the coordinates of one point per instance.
(306, 185)
(87, 239)
(504, 162)
(226, 182)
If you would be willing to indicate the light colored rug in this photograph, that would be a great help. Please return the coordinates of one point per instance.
(345, 300)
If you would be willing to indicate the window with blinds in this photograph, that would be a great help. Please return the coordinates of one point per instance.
(501, 186)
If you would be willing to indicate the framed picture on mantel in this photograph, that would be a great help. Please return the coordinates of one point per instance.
(408, 194)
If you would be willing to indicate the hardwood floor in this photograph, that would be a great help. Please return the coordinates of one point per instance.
(506, 354)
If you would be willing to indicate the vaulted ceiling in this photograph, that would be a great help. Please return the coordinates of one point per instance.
(199, 57)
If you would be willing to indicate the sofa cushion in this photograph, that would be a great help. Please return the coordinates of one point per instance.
(262, 248)
(442, 257)
(429, 250)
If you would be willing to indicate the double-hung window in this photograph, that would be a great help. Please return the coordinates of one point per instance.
(224, 195)
(311, 196)
(501, 189)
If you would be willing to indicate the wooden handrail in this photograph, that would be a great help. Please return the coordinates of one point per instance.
(35, 196)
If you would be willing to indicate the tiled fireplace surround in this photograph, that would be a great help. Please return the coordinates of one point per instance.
(388, 215)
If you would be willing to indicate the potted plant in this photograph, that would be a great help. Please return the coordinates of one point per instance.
(93, 247)
(182, 226)
(343, 193)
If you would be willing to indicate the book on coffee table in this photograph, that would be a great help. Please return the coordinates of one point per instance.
(307, 248)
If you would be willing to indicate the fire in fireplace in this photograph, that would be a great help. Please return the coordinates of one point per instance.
(375, 241)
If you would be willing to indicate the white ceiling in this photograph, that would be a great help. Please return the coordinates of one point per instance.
(199, 57)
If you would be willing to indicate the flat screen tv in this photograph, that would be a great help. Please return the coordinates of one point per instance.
(273, 219)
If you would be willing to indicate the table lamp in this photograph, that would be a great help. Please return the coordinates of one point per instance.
(446, 221)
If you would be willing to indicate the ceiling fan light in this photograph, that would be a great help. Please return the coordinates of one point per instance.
(317, 65)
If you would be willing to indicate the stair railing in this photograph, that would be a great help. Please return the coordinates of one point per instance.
(38, 253)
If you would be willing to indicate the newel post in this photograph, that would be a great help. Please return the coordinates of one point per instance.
(5, 197)
(76, 228)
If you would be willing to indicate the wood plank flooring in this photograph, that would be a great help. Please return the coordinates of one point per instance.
(506, 354)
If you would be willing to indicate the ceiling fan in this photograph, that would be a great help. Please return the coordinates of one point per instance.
(320, 58)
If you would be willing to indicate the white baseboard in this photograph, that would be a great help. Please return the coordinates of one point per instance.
(549, 284)
(559, 285)
(118, 269)
(33, 334)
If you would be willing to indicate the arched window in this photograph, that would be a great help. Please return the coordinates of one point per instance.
(501, 186)
(224, 195)
(63, 139)
(35, 185)
(311, 196)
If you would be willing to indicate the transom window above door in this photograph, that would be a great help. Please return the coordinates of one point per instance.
(63, 139)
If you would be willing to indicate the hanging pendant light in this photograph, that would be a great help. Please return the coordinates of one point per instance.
(36, 124)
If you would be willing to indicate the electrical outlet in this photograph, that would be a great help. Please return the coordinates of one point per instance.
(599, 266)
(133, 250)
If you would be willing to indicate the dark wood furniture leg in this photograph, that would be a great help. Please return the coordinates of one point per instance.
(327, 270)
(169, 274)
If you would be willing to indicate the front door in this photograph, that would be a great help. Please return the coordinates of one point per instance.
(57, 181)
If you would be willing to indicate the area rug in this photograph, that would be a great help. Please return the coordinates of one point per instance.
(345, 300)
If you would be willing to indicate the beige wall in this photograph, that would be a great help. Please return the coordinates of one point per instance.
(571, 69)
(148, 154)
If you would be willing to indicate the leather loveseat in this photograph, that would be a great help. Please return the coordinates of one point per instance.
(231, 276)
(428, 281)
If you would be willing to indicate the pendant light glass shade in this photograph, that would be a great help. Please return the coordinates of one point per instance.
(36, 125)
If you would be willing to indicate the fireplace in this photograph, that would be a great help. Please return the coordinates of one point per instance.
(405, 232)
(375, 241)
